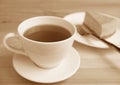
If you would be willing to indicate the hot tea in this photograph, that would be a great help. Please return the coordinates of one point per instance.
(47, 33)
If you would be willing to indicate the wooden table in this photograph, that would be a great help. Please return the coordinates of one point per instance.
(98, 66)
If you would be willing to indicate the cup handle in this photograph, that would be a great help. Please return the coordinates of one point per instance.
(13, 49)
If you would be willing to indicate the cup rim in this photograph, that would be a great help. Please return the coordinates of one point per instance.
(42, 42)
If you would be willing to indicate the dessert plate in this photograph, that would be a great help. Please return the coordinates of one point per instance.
(89, 40)
(27, 69)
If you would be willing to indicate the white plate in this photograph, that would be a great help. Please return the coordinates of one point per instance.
(30, 71)
(77, 19)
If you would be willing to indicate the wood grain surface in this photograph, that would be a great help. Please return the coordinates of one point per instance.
(98, 66)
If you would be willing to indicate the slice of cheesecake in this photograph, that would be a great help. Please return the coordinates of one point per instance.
(102, 25)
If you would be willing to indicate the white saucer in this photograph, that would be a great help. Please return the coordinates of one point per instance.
(77, 19)
(30, 71)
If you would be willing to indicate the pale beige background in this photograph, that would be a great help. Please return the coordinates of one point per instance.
(98, 66)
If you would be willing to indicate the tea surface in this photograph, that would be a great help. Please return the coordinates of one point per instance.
(47, 33)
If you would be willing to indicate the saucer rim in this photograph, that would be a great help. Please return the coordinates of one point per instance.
(72, 73)
(80, 36)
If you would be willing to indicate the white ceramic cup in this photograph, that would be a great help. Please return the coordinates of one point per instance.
(44, 54)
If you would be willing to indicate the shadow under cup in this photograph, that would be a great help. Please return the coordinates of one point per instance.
(47, 40)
